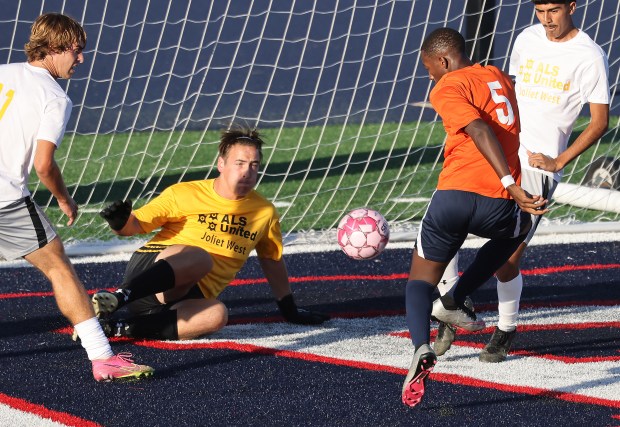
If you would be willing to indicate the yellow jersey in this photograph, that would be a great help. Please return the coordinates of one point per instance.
(192, 213)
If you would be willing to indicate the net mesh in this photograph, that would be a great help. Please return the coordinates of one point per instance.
(336, 88)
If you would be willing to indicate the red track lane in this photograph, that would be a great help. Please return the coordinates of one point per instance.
(378, 278)
(448, 378)
(43, 412)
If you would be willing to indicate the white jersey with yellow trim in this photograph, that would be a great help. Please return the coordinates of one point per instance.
(33, 107)
(553, 81)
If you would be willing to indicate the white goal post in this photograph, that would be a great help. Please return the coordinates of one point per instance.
(336, 88)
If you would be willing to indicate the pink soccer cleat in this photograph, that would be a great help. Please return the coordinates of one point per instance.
(120, 366)
(422, 364)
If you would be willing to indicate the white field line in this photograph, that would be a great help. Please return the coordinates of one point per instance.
(372, 341)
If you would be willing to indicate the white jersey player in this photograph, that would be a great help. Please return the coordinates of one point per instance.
(28, 92)
(34, 111)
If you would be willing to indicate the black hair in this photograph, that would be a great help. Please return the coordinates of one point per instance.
(552, 1)
(443, 40)
(236, 134)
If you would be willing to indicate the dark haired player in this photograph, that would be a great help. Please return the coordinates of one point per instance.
(558, 68)
(477, 193)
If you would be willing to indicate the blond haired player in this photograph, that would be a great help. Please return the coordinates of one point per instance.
(33, 117)
(207, 230)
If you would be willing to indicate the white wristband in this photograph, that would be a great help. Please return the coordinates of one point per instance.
(507, 181)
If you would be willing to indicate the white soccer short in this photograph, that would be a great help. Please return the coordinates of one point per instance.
(24, 228)
(537, 183)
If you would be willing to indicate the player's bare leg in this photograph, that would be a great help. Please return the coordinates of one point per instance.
(200, 317)
(70, 295)
(187, 319)
(72, 300)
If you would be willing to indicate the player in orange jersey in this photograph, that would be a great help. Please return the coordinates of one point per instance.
(557, 69)
(477, 193)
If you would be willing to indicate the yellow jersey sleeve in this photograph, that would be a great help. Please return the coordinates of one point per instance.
(159, 211)
(271, 245)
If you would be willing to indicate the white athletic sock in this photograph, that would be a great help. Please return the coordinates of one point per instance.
(450, 277)
(93, 339)
(508, 295)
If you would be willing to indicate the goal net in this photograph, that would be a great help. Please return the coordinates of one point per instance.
(336, 88)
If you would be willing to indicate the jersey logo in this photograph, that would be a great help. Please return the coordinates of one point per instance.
(218, 225)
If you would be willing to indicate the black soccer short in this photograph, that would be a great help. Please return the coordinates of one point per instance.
(142, 259)
(452, 215)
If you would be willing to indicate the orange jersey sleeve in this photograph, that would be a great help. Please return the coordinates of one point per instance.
(460, 97)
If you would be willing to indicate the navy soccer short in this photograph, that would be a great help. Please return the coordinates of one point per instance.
(452, 215)
(142, 259)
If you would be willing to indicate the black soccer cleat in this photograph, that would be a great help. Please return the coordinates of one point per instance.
(105, 303)
(498, 347)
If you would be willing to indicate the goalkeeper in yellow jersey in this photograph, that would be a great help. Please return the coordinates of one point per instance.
(207, 230)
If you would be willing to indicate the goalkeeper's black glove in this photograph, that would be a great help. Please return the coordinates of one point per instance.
(117, 214)
(299, 316)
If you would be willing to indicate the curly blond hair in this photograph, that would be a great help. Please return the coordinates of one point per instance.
(53, 32)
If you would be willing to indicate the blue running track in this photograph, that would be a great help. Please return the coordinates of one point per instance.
(259, 371)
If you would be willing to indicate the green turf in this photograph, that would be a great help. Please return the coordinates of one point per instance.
(314, 174)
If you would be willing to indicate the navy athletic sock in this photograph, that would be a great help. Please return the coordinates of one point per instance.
(491, 256)
(419, 304)
(157, 278)
(161, 326)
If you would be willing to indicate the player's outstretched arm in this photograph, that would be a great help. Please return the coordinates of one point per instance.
(487, 143)
(535, 205)
(599, 122)
(121, 219)
(277, 277)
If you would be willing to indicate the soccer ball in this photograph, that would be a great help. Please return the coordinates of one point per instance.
(363, 233)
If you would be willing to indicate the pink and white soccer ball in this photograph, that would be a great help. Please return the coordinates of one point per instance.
(363, 233)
